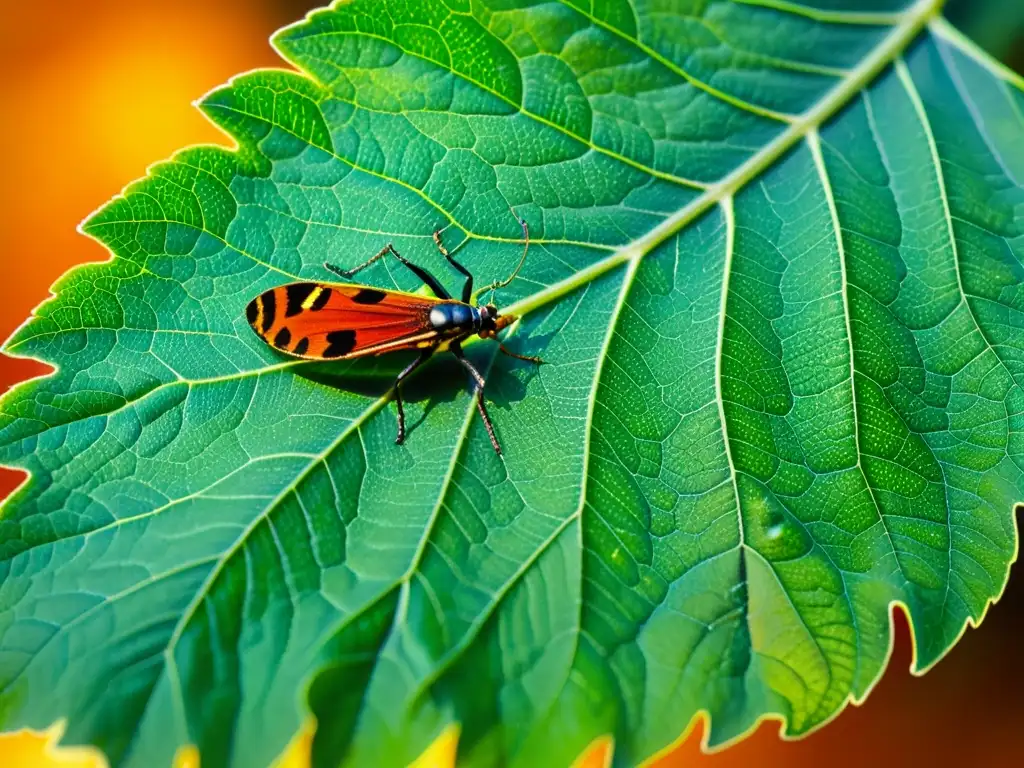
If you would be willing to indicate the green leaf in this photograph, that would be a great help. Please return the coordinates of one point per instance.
(777, 278)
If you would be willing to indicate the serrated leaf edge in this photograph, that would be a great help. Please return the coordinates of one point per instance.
(924, 14)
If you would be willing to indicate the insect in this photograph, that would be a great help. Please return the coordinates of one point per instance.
(332, 321)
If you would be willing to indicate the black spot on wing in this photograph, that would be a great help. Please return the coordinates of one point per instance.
(339, 343)
(369, 296)
(297, 293)
(283, 339)
(269, 311)
(321, 300)
(301, 347)
(253, 311)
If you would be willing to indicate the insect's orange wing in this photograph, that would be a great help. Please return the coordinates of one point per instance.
(324, 321)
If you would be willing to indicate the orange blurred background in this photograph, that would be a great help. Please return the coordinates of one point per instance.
(96, 92)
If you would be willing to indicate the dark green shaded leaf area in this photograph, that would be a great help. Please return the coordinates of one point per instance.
(777, 279)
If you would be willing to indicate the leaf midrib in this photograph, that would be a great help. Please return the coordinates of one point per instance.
(898, 38)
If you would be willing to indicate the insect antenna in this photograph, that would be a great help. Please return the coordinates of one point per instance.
(493, 287)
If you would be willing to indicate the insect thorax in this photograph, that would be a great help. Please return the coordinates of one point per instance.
(454, 316)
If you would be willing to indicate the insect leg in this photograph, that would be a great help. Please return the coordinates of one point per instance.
(527, 358)
(422, 274)
(424, 356)
(467, 288)
(493, 287)
(456, 349)
(348, 273)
